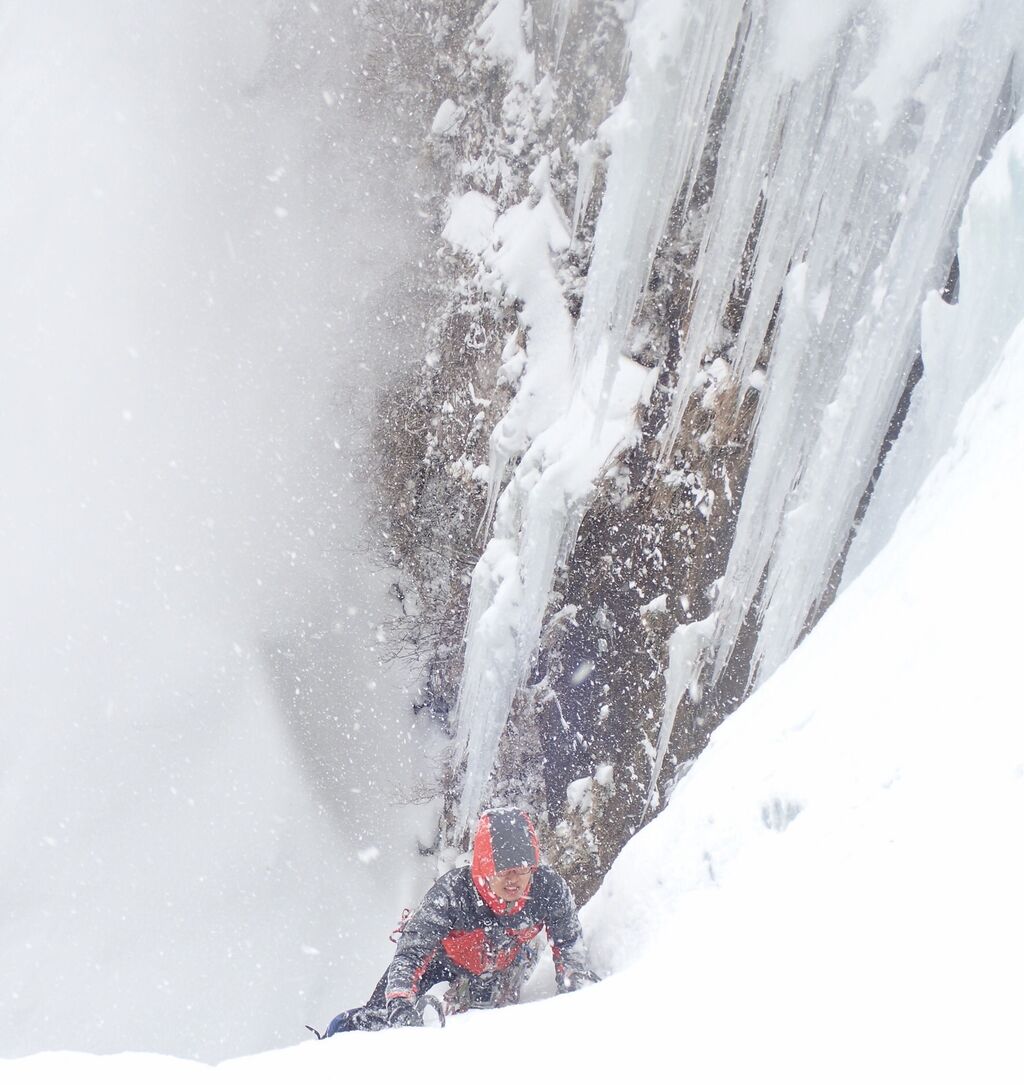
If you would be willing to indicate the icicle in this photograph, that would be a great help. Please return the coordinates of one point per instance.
(915, 183)
(535, 528)
(959, 350)
(862, 164)
(588, 155)
(686, 649)
(537, 516)
(656, 137)
(563, 13)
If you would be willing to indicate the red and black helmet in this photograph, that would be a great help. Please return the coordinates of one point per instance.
(504, 839)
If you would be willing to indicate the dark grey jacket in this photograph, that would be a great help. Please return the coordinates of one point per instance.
(456, 927)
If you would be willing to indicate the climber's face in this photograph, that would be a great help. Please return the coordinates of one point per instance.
(511, 885)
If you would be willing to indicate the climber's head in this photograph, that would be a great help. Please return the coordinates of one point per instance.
(505, 855)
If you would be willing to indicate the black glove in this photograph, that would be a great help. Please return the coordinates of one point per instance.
(341, 1023)
(402, 1012)
(575, 978)
(361, 1019)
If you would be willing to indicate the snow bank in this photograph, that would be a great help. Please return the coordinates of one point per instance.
(841, 868)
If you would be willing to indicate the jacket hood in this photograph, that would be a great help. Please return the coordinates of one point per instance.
(504, 839)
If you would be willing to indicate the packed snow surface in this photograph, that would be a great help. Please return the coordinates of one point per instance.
(834, 891)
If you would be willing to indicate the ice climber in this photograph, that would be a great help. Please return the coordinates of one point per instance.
(475, 928)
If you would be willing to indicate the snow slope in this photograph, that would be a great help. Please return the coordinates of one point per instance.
(834, 891)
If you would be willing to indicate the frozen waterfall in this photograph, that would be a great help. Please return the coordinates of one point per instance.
(850, 139)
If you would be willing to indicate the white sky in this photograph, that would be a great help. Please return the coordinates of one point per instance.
(198, 737)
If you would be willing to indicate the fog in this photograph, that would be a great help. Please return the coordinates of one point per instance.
(197, 795)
